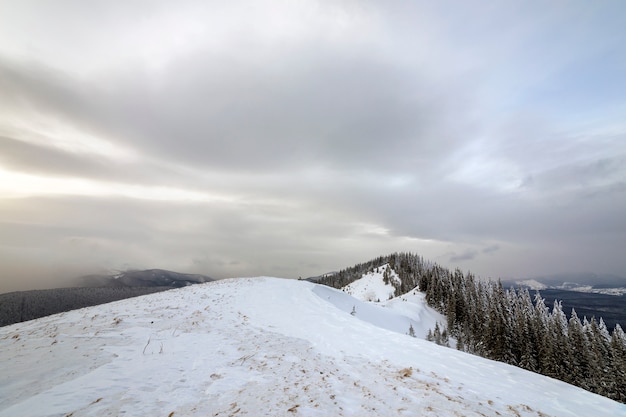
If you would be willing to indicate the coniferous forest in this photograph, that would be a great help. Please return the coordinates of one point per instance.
(510, 325)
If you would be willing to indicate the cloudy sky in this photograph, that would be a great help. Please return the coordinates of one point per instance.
(291, 138)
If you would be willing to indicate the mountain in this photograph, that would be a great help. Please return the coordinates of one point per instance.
(319, 277)
(259, 346)
(581, 282)
(146, 278)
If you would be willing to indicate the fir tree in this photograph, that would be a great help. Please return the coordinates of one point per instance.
(437, 334)
(579, 352)
(618, 365)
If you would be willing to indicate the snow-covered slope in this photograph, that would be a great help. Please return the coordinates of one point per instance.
(382, 309)
(372, 286)
(257, 347)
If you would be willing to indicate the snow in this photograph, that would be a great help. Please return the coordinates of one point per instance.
(372, 287)
(378, 306)
(260, 347)
(606, 291)
(397, 314)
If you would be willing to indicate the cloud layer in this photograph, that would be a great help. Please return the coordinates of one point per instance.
(293, 138)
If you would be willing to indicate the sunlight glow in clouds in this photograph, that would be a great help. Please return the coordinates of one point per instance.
(48, 132)
(20, 185)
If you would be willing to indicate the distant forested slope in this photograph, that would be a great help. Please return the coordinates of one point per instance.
(21, 306)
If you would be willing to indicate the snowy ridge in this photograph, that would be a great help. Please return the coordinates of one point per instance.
(258, 347)
(372, 286)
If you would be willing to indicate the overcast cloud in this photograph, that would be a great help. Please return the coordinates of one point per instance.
(293, 138)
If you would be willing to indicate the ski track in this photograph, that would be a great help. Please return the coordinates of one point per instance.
(256, 347)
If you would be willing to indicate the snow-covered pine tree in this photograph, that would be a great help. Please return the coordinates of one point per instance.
(579, 352)
(437, 334)
(618, 365)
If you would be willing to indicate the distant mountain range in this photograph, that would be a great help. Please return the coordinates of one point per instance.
(145, 278)
(318, 277)
(579, 282)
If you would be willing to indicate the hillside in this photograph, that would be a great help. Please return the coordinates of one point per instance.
(258, 347)
(91, 290)
(376, 285)
(19, 306)
(507, 325)
(399, 314)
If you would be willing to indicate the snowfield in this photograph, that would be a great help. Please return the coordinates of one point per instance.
(260, 347)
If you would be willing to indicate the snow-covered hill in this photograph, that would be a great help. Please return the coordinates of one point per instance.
(383, 309)
(372, 286)
(258, 347)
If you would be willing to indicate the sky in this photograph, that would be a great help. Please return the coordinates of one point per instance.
(293, 138)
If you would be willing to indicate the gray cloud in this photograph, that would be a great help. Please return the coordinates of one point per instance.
(491, 249)
(204, 138)
(465, 256)
(330, 110)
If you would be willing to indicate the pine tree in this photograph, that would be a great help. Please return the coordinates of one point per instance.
(579, 352)
(460, 345)
(561, 356)
(599, 350)
(437, 334)
(524, 332)
(545, 341)
(618, 365)
(445, 341)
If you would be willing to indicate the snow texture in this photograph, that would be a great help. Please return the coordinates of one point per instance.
(260, 347)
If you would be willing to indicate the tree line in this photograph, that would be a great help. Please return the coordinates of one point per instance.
(511, 326)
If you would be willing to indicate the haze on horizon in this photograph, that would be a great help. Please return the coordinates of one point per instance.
(294, 138)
